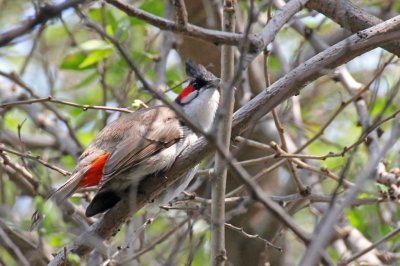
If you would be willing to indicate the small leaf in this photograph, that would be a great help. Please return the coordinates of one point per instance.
(87, 55)
(94, 57)
(73, 259)
(55, 240)
(95, 44)
(72, 61)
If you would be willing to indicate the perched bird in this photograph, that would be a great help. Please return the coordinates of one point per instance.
(141, 144)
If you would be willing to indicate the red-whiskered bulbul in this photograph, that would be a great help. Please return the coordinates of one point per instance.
(142, 143)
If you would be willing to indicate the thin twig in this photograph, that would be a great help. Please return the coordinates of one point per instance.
(281, 131)
(214, 36)
(84, 107)
(181, 13)
(247, 235)
(35, 158)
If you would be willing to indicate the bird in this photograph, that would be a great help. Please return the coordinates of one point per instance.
(140, 144)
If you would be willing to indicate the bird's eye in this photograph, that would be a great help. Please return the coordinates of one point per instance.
(188, 98)
(198, 84)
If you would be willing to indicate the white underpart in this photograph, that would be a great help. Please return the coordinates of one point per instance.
(202, 109)
(202, 112)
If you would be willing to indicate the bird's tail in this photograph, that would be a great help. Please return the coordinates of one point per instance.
(59, 196)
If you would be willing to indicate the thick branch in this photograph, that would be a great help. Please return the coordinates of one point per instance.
(214, 36)
(351, 17)
(224, 126)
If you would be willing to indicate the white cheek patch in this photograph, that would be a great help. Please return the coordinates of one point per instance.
(190, 97)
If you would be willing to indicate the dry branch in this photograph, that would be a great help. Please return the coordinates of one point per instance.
(351, 17)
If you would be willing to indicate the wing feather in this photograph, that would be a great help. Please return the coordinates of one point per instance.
(157, 130)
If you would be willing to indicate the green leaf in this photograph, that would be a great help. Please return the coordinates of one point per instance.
(95, 44)
(87, 55)
(94, 57)
(68, 161)
(154, 7)
(86, 137)
(96, 14)
(72, 61)
(73, 259)
(55, 240)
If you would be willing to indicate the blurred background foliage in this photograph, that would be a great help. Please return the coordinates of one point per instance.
(70, 62)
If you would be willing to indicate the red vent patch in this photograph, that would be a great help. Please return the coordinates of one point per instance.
(93, 175)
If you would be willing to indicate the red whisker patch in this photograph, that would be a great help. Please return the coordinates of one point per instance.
(186, 91)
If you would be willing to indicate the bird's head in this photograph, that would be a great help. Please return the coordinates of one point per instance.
(200, 98)
(202, 81)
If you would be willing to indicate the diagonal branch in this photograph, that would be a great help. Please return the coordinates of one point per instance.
(214, 36)
(351, 17)
(45, 13)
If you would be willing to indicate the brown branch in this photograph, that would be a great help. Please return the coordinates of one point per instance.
(84, 107)
(35, 158)
(66, 139)
(247, 235)
(313, 197)
(13, 249)
(28, 243)
(351, 17)
(214, 36)
(151, 246)
(44, 14)
(19, 175)
(223, 125)
(281, 131)
(181, 13)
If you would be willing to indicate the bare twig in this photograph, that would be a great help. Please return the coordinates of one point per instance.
(242, 232)
(351, 17)
(214, 36)
(14, 250)
(181, 13)
(281, 131)
(159, 240)
(84, 107)
(35, 158)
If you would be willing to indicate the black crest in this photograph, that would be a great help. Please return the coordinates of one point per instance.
(199, 72)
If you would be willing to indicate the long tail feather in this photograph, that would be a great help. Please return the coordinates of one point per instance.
(59, 196)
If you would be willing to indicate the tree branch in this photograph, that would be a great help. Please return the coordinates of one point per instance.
(44, 14)
(214, 36)
(351, 17)
(224, 126)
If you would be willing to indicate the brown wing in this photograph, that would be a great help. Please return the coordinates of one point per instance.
(157, 129)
